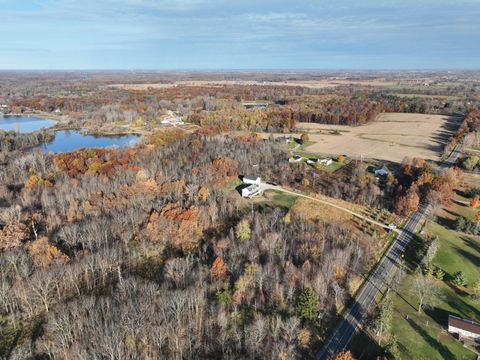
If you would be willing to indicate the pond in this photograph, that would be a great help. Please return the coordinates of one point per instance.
(24, 123)
(69, 140)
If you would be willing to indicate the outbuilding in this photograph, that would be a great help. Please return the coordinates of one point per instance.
(326, 162)
(465, 329)
(252, 180)
(382, 171)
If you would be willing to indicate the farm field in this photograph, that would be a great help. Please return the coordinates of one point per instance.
(313, 84)
(392, 136)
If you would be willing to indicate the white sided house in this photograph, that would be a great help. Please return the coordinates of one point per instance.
(465, 329)
(326, 162)
(251, 191)
(252, 180)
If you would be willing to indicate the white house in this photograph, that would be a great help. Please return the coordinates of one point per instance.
(172, 118)
(252, 180)
(296, 158)
(383, 171)
(326, 162)
(312, 161)
(465, 329)
(255, 105)
(251, 191)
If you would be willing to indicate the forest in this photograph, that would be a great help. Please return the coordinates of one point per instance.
(94, 101)
(96, 242)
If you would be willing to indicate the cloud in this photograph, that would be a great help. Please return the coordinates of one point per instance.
(216, 31)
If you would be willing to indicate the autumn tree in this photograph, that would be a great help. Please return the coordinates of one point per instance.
(243, 231)
(475, 202)
(344, 355)
(426, 290)
(219, 269)
(305, 137)
(383, 320)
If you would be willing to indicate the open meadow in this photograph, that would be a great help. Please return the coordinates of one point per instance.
(392, 136)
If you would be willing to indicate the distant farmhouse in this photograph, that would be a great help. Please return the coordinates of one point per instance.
(172, 119)
(465, 329)
(255, 105)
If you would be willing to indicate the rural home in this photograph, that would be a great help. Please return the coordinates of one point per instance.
(326, 162)
(312, 161)
(251, 191)
(382, 171)
(255, 105)
(252, 180)
(465, 329)
(296, 158)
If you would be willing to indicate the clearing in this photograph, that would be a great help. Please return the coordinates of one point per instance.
(392, 136)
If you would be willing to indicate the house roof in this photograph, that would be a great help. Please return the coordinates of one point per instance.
(253, 178)
(464, 324)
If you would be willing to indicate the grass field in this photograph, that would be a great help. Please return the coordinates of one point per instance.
(274, 198)
(334, 166)
(424, 335)
(392, 136)
(457, 252)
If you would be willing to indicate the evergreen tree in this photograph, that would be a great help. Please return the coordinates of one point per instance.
(459, 279)
(307, 305)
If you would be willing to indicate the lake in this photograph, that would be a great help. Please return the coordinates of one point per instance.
(24, 123)
(69, 140)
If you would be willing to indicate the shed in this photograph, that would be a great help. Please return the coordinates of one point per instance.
(464, 328)
(382, 171)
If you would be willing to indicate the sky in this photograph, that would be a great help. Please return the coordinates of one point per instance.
(242, 34)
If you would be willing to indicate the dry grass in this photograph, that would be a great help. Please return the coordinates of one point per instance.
(313, 84)
(392, 136)
(310, 210)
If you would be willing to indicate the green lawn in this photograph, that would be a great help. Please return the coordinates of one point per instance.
(461, 207)
(276, 198)
(294, 145)
(423, 336)
(334, 166)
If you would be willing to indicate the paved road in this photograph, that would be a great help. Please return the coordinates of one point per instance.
(378, 279)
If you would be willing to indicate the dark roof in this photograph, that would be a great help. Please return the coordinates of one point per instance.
(253, 178)
(464, 324)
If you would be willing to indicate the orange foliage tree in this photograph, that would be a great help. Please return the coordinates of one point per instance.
(344, 355)
(219, 269)
(475, 202)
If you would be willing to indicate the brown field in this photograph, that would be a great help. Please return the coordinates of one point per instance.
(314, 84)
(392, 136)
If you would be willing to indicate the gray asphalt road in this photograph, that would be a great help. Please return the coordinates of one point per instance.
(378, 279)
